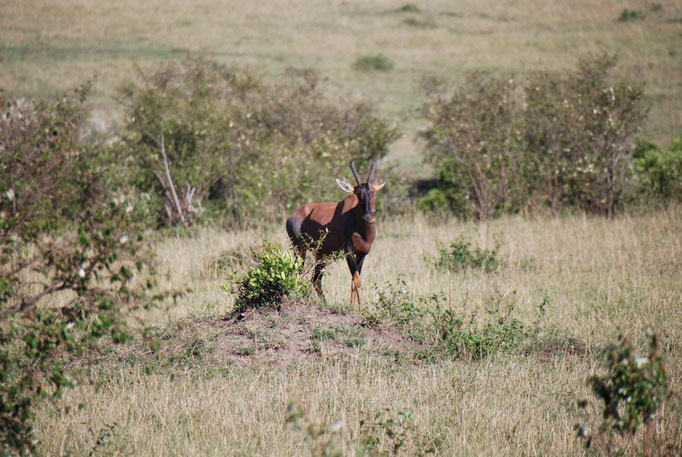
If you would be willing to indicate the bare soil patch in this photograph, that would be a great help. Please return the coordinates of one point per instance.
(294, 332)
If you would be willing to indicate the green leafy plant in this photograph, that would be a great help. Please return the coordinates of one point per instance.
(631, 15)
(69, 254)
(388, 434)
(377, 62)
(659, 172)
(634, 388)
(442, 333)
(461, 255)
(277, 275)
(396, 306)
(500, 333)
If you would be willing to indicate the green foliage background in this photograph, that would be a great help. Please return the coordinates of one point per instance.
(255, 151)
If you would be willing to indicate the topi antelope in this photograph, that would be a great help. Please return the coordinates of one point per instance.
(346, 226)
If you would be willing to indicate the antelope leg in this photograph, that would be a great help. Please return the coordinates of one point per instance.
(352, 291)
(356, 282)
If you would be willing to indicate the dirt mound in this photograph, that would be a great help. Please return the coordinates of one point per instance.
(294, 332)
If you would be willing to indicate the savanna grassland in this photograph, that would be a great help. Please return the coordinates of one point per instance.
(207, 385)
(382, 378)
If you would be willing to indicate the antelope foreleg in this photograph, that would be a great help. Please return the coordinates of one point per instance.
(356, 287)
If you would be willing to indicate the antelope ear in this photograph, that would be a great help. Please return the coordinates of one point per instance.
(344, 185)
(380, 185)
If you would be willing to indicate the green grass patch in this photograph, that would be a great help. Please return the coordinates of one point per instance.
(461, 255)
(377, 62)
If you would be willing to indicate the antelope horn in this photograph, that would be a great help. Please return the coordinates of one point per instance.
(370, 175)
(355, 173)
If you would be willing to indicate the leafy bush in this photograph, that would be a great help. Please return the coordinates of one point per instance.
(631, 15)
(377, 62)
(660, 173)
(68, 253)
(319, 439)
(251, 150)
(629, 394)
(400, 309)
(504, 144)
(460, 340)
(389, 433)
(408, 8)
(278, 274)
(461, 256)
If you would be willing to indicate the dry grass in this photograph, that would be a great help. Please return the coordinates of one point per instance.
(219, 388)
(216, 388)
(54, 45)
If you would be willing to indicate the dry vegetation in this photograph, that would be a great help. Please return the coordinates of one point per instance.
(312, 378)
(52, 45)
(206, 385)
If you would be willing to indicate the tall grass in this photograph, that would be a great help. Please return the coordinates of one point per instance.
(601, 276)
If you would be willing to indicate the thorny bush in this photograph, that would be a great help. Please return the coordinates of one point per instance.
(506, 144)
(68, 254)
(252, 150)
(443, 333)
(462, 256)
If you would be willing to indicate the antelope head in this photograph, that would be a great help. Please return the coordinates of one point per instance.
(364, 192)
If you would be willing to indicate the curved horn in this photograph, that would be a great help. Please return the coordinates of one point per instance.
(355, 173)
(370, 175)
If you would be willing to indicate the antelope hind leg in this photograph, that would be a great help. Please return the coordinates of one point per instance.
(357, 287)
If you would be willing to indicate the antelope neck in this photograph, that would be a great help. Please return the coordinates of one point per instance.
(363, 228)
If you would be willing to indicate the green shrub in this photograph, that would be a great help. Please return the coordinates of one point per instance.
(499, 334)
(631, 15)
(396, 306)
(441, 333)
(629, 395)
(394, 433)
(461, 256)
(408, 8)
(506, 144)
(660, 173)
(377, 62)
(637, 383)
(277, 275)
(68, 257)
(252, 151)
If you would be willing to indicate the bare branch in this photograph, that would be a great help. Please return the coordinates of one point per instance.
(170, 183)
